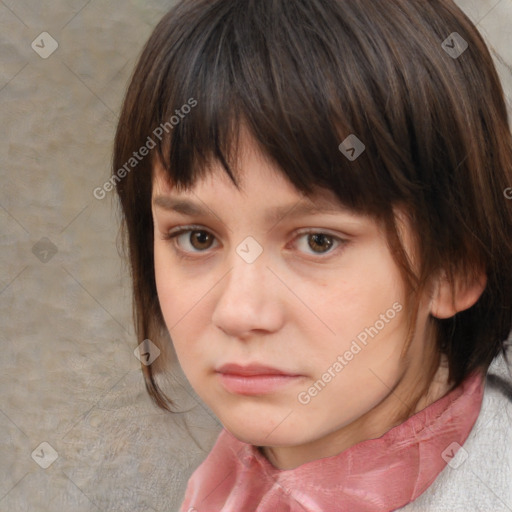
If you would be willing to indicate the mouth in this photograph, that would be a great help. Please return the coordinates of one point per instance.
(254, 379)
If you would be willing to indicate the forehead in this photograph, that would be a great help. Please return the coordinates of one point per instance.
(255, 172)
(261, 184)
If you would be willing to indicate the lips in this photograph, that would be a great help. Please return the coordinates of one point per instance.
(255, 379)
(252, 370)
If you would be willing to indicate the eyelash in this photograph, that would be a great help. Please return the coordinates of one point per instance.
(171, 235)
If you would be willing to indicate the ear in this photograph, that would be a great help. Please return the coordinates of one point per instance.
(449, 299)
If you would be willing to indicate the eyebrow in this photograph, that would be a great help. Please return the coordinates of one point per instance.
(272, 215)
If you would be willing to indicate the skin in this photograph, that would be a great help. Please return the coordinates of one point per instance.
(297, 307)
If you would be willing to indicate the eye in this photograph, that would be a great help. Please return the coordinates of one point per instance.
(318, 241)
(193, 239)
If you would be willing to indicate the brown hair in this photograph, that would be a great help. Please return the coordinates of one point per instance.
(302, 76)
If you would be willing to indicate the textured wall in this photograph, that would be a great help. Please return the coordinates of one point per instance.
(68, 375)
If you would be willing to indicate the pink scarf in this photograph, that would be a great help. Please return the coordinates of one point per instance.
(377, 475)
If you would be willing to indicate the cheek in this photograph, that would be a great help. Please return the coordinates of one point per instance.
(183, 302)
(364, 304)
(367, 314)
(167, 287)
(364, 373)
(178, 291)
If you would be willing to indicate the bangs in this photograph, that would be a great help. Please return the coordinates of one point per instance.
(262, 66)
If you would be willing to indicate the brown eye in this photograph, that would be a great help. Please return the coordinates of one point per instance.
(191, 240)
(316, 242)
(200, 240)
(320, 242)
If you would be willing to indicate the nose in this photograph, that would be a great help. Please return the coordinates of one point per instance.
(249, 299)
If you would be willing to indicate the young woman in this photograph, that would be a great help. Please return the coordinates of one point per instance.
(315, 209)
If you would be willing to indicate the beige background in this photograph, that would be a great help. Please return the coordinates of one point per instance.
(68, 375)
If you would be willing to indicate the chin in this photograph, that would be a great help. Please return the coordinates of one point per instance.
(262, 432)
(262, 422)
(256, 437)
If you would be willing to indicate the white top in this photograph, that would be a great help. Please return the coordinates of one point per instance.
(479, 478)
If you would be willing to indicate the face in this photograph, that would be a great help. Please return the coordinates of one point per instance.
(289, 323)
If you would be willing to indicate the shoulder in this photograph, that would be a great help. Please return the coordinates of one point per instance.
(479, 477)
